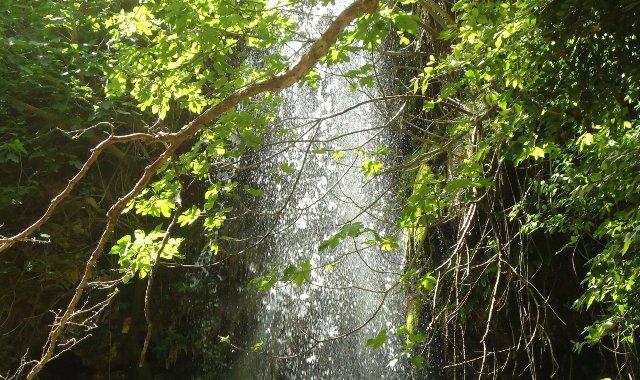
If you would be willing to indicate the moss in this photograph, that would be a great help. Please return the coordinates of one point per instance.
(414, 308)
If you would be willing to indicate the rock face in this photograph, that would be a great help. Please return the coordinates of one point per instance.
(467, 329)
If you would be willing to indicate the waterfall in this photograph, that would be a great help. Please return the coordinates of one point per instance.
(353, 289)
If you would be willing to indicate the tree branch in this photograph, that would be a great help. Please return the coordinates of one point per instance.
(6, 243)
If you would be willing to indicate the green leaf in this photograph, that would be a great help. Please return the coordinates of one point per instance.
(251, 139)
(211, 196)
(388, 243)
(628, 239)
(379, 339)
(428, 282)
(418, 361)
(337, 155)
(407, 22)
(121, 245)
(286, 168)
(408, 276)
(371, 168)
(266, 282)
(253, 191)
(349, 230)
(537, 152)
(298, 276)
(189, 216)
(585, 140)
(165, 206)
(417, 338)
(257, 346)
(214, 222)
(311, 78)
(382, 150)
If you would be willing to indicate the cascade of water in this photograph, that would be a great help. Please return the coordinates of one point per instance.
(353, 289)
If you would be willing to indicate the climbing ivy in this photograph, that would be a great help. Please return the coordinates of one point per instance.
(551, 88)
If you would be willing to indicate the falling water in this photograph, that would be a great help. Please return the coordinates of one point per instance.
(353, 290)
